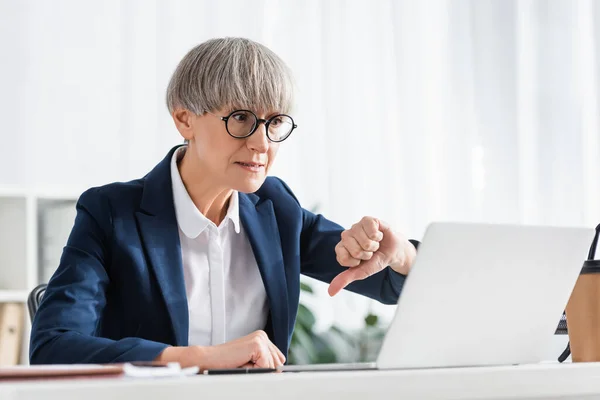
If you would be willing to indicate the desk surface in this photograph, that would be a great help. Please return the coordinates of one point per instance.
(547, 381)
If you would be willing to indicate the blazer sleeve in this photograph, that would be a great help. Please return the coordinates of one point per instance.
(65, 329)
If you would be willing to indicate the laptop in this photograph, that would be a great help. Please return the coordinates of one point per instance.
(480, 295)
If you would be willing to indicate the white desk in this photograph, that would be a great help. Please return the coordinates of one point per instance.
(568, 381)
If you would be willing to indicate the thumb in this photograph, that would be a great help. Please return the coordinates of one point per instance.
(364, 270)
(340, 281)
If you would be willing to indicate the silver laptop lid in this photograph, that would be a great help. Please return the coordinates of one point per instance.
(483, 294)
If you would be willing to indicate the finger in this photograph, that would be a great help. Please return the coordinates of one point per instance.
(343, 257)
(249, 365)
(364, 241)
(263, 358)
(384, 226)
(280, 354)
(278, 357)
(371, 227)
(269, 355)
(354, 248)
(345, 278)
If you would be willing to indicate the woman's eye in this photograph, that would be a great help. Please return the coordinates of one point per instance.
(276, 121)
(240, 117)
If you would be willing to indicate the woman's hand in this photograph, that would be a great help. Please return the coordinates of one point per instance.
(253, 350)
(368, 247)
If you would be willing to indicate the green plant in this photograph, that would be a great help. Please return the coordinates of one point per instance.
(334, 345)
(308, 346)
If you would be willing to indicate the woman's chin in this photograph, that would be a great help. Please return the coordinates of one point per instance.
(249, 185)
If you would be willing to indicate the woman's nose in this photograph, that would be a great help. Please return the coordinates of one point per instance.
(259, 141)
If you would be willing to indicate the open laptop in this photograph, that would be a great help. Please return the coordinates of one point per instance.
(480, 294)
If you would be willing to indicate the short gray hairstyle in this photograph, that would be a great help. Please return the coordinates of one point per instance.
(231, 72)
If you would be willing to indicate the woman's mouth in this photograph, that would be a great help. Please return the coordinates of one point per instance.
(251, 166)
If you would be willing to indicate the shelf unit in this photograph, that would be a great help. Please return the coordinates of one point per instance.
(13, 296)
(25, 249)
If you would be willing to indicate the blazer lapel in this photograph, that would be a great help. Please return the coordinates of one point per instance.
(258, 219)
(160, 237)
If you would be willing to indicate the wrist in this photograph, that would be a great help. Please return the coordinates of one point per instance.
(403, 263)
(399, 267)
(195, 356)
(185, 356)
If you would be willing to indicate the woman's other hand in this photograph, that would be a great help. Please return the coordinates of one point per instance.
(253, 350)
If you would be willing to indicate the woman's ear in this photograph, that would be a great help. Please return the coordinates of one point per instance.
(184, 122)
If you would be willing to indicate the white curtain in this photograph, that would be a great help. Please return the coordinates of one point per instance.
(412, 111)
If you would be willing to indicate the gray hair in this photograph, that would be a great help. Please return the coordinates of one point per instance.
(231, 72)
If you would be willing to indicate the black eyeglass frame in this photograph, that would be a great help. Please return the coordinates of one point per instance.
(259, 121)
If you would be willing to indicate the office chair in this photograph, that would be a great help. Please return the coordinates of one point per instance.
(34, 299)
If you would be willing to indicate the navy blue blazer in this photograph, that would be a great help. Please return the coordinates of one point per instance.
(118, 294)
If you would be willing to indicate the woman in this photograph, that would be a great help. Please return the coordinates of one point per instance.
(199, 261)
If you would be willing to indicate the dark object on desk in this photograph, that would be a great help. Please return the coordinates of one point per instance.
(34, 299)
(227, 371)
(583, 312)
(561, 329)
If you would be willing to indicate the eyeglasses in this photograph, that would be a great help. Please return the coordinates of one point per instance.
(241, 124)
